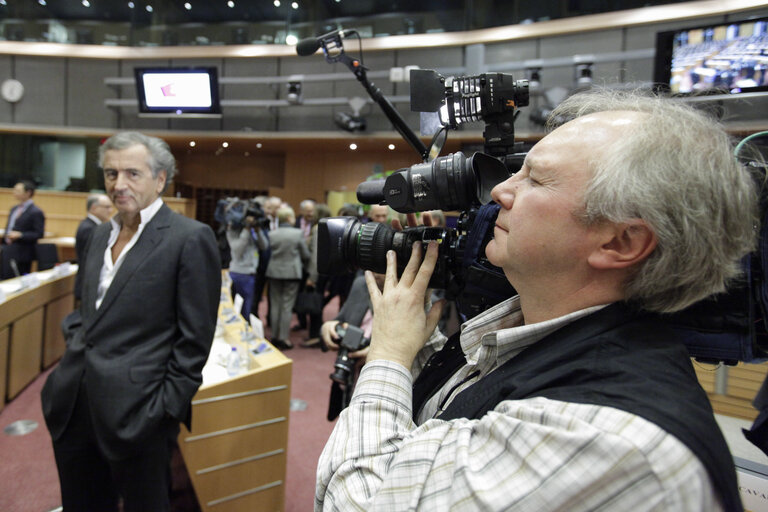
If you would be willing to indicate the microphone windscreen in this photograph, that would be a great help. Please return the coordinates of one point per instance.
(307, 46)
(371, 192)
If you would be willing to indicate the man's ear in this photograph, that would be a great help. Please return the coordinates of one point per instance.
(161, 177)
(628, 243)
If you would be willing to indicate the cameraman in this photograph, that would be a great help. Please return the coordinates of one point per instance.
(575, 394)
(246, 243)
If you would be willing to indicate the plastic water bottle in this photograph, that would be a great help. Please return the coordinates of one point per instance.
(233, 362)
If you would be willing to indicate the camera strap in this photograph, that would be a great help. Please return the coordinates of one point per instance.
(439, 368)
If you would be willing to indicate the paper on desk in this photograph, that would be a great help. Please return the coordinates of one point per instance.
(257, 326)
(238, 303)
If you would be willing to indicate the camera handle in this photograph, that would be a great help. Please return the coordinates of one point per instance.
(375, 93)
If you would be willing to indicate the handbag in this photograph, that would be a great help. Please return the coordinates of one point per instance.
(308, 302)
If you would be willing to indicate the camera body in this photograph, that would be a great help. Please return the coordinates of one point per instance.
(352, 339)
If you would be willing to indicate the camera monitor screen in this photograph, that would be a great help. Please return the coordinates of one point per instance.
(729, 58)
(178, 91)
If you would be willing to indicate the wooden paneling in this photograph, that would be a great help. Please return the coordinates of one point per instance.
(26, 350)
(741, 385)
(64, 210)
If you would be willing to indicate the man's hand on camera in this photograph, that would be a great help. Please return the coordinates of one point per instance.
(400, 324)
(329, 336)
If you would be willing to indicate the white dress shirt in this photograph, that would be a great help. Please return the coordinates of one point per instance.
(109, 269)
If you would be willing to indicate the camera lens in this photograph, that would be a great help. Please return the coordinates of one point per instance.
(343, 368)
(345, 244)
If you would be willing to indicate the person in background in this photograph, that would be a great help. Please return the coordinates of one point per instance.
(316, 281)
(99, 210)
(289, 256)
(574, 394)
(150, 298)
(246, 243)
(305, 222)
(378, 213)
(26, 225)
(270, 207)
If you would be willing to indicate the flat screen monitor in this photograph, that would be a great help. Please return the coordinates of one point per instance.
(728, 58)
(178, 91)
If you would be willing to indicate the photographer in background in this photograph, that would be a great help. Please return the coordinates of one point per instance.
(575, 394)
(246, 243)
(356, 312)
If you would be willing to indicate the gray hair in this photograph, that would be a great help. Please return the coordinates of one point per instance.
(160, 156)
(678, 173)
(90, 201)
(285, 213)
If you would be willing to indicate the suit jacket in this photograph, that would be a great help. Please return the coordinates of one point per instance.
(289, 253)
(357, 304)
(31, 224)
(142, 352)
(84, 230)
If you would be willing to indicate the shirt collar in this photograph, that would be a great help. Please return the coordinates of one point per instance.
(94, 218)
(499, 332)
(146, 214)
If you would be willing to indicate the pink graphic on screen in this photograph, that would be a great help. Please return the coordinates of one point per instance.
(177, 90)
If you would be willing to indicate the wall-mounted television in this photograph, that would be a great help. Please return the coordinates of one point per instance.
(189, 92)
(729, 58)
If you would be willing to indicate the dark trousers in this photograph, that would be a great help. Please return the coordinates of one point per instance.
(92, 482)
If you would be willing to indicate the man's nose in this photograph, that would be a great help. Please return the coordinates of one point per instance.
(504, 193)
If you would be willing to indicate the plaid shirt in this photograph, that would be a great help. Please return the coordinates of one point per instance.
(533, 454)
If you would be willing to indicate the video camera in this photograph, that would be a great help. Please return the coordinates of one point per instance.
(451, 182)
(233, 211)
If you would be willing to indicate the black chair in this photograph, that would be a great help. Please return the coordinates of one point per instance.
(47, 256)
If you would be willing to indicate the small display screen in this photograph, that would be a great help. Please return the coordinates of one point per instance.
(177, 91)
(732, 58)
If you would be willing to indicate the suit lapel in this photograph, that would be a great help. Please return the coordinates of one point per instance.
(148, 240)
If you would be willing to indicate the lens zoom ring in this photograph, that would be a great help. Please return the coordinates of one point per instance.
(372, 247)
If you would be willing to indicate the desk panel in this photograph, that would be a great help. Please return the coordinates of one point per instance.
(26, 351)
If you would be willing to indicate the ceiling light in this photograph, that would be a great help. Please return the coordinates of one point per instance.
(86, 3)
(225, 144)
(230, 4)
(149, 8)
(353, 146)
(291, 40)
(3, 2)
(131, 5)
(258, 145)
(295, 5)
(276, 3)
(192, 143)
(391, 146)
(188, 6)
(41, 2)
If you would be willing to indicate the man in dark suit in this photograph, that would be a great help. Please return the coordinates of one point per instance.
(26, 225)
(149, 304)
(99, 209)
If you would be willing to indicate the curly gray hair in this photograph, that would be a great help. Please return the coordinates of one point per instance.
(678, 173)
(160, 156)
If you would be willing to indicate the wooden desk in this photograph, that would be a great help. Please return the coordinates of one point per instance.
(236, 452)
(30, 332)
